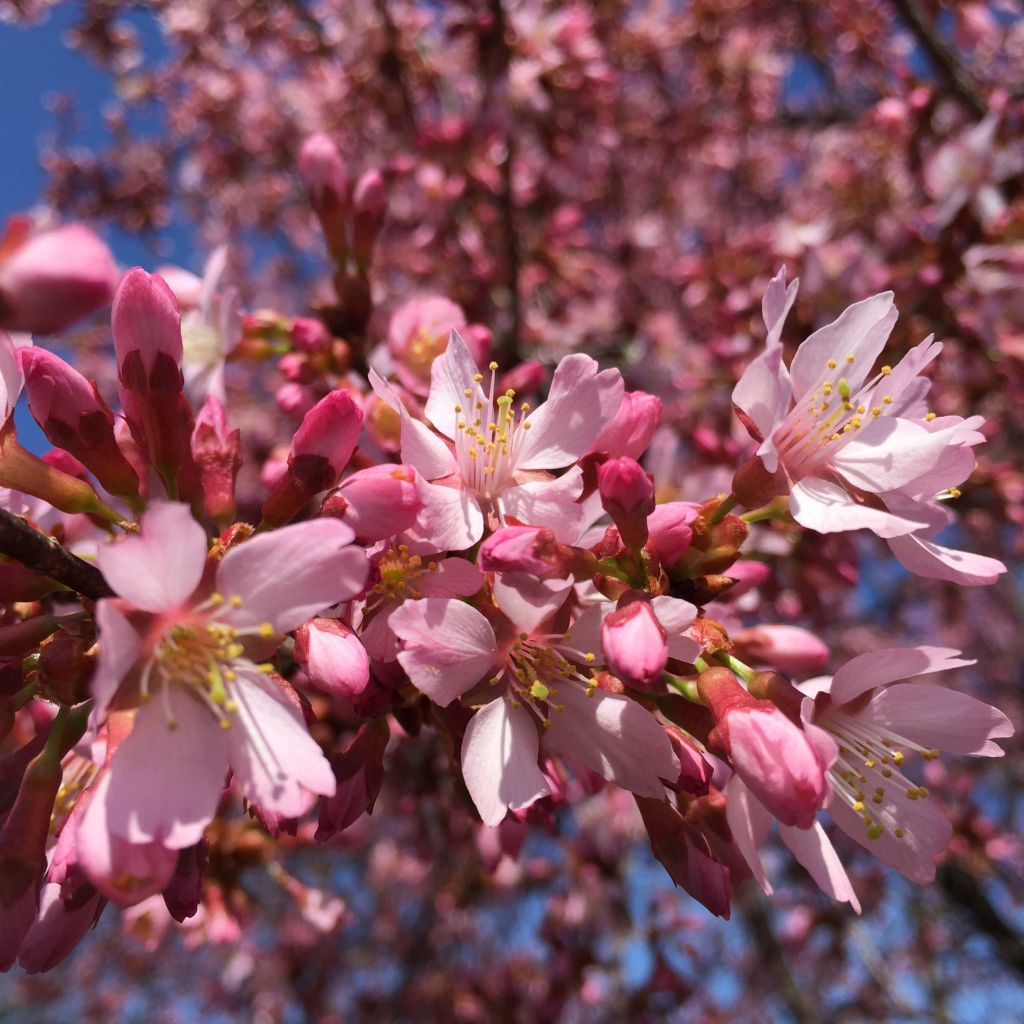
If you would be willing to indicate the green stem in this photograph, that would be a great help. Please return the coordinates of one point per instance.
(777, 509)
(727, 505)
(745, 672)
(24, 695)
(686, 688)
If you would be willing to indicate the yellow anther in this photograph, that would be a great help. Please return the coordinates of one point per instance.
(832, 364)
(265, 666)
(849, 359)
(539, 691)
(478, 377)
(492, 366)
(929, 416)
(468, 392)
(898, 833)
(827, 389)
(876, 411)
(216, 598)
(236, 601)
(590, 657)
(859, 806)
(266, 630)
(886, 370)
(888, 399)
(874, 832)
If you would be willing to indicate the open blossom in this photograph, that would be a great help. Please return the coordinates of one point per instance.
(492, 460)
(184, 655)
(547, 696)
(855, 452)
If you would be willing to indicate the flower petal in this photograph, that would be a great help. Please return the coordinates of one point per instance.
(528, 601)
(814, 850)
(613, 736)
(158, 568)
(288, 575)
(452, 375)
(449, 646)
(450, 520)
(552, 504)
(676, 616)
(887, 454)
(120, 647)
(749, 823)
(825, 507)
(876, 668)
(935, 562)
(499, 760)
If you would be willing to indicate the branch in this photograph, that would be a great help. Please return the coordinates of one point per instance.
(943, 57)
(35, 550)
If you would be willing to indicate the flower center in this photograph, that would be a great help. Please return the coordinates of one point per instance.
(534, 672)
(488, 434)
(399, 573)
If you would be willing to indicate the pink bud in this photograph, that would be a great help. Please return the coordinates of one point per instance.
(146, 326)
(309, 336)
(528, 549)
(321, 448)
(71, 413)
(295, 399)
(378, 502)
(325, 176)
(632, 427)
(634, 643)
(333, 658)
(525, 378)
(790, 649)
(669, 529)
(370, 201)
(59, 926)
(627, 494)
(184, 892)
(748, 574)
(218, 454)
(295, 367)
(54, 279)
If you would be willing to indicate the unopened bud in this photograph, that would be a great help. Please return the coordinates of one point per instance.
(333, 658)
(218, 455)
(634, 642)
(627, 494)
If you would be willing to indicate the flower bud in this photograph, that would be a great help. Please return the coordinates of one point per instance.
(70, 411)
(377, 502)
(669, 531)
(185, 890)
(66, 667)
(309, 336)
(370, 201)
(752, 484)
(321, 448)
(333, 658)
(631, 428)
(627, 494)
(791, 649)
(776, 759)
(62, 922)
(218, 456)
(529, 549)
(325, 177)
(19, 638)
(54, 279)
(635, 644)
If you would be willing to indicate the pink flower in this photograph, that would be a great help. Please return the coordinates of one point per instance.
(631, 429)
(878, 723)
(418, 333)
(332, 657)
(496, 459)
(377, 502)
(548, 695)
(858, 453)
(184, 655)
(53, 279)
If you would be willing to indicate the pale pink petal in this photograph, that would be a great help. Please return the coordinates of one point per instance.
(528, 601)
(451, 376)
(676, 616)
(940, 718)
(158, 568)
(876, 668)
(926, 833)
(449, 646)
(581, 402)
(584, 636)
(286, 576)
(421, 447)
(814, 850)
(499, 760)
(455, 577)
(552, 505)
(749, 823)
(120, 648)
(935, 562)
(764, 394)
(860, 331)
(450, 520)
(279, 767)
(613, 736)
(166, 778)
(377, 636)
(888, 453)
(825, 507)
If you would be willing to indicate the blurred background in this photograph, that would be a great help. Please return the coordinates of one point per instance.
(620, 178)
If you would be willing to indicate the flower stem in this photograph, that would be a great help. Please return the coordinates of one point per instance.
(745, 672)
(727, 505)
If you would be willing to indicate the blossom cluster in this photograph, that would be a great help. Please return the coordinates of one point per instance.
(449, 543)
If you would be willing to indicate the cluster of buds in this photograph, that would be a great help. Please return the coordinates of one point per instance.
(501, 571)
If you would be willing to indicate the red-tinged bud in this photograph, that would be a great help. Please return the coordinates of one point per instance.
(321, 448)
(17, 639)
(295, 399)
(359, 772)
(525, 378)
(66, 666)
(370, 202)
(377, 502)
(669, 530)
(54, 279)
(715, 546)
(780, 691)
(333, 658)
(296, 368)
(528, 549)
(694, 770)
(627, 495)
(609, 683)
(146, 326)
(791, 649)
(753, 486)
(777, 760)
(325, 177)
(185, 891)
(309, 336)
(704, 589)
(632, 427)
(23, 839)
(635, 644)
(217, 452)
(62, 922)
(70, 411)
(747, 575)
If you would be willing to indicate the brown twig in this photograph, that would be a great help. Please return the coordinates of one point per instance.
(943, 57)
(43, 554)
